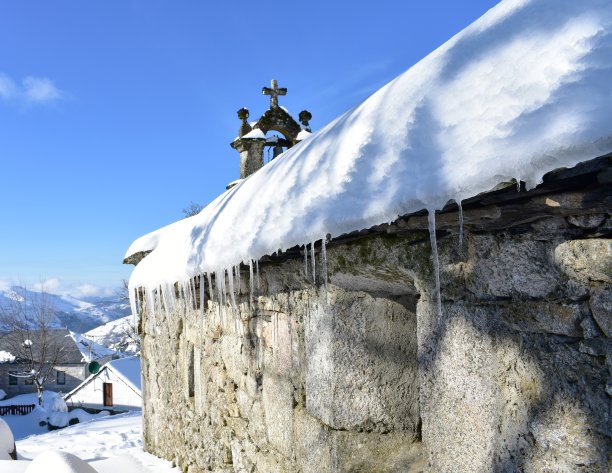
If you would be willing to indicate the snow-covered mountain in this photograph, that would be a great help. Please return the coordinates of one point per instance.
(77, 315)
(119, 335)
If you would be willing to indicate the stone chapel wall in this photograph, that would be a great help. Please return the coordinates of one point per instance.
(368, 375)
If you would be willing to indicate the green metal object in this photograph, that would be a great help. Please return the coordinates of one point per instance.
(93, 367)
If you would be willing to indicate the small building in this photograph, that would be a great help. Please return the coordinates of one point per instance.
(423, 285)
(117, 386)
(68, 372)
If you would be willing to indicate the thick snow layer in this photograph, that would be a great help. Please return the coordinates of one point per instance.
(128, 369)
(6, 357)
(7, 442)
(29, 424)
(522, 91)
(62, 419)
(110, 445)
(255, 134)
(64, 462)
(304, 134)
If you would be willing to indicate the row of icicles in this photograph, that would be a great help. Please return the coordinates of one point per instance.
(191, 293)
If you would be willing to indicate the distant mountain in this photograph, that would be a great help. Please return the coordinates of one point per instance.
(77, 315)
(119, 335)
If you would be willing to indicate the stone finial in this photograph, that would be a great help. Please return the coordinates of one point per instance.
(305, 116)
(273, 91)
(245, 128)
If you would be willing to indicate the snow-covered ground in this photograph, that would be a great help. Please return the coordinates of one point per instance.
(110, 445)
(25, 425)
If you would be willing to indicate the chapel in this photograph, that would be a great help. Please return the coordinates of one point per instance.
(424, 285)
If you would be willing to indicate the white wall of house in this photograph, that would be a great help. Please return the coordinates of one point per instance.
(91, 393)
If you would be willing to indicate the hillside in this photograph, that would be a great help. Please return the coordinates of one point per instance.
(76, 315)
(118, 335)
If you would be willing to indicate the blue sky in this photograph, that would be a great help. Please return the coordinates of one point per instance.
(115, 115)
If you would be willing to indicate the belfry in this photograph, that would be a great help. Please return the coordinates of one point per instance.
(253, 138)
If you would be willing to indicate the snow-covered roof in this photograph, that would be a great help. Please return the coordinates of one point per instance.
(522, 91)
(90, 350)
(255, 133)
(129, 370)
(302, 135)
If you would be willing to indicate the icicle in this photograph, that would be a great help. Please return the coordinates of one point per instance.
(306, 261)
(188, 293)
(211, 293)
(238, 280)
(202, 292)
(202, 295)
(460, 226)
(158, 301)
(434, 254)
(194, 293)
(183, 296)
(223, 289)
(312, 260)
(231, 286)
(324, 256)
(219, 296)
(150, 302)
(251, 281)
(134, 305)
(164, 296)
(257, 273)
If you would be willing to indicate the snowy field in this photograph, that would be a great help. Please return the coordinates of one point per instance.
(109, 445)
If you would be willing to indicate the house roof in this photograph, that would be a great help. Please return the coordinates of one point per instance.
(129, 370)
(90, 350)
(55, 337)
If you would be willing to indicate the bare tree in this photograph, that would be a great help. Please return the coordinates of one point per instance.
(192, 209)
(29, 334)
(129, 332)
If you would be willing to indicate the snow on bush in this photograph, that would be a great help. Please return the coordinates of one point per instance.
(53, 401)
(6, 357)
(7, 442)
(522, 91)
(58, 462)
(62, 419)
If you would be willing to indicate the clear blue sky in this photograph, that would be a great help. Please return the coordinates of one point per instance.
(115, 114)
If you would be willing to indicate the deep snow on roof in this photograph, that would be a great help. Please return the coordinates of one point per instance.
(522, 91)
(90, 350)
(129, 369)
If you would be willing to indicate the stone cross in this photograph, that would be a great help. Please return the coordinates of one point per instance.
(274, 92)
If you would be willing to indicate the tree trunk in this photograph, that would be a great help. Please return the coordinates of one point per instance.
(39, 394)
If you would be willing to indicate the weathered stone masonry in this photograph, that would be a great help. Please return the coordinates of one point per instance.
(367, 376)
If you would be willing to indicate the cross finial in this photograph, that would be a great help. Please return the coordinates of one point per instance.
(273, 91)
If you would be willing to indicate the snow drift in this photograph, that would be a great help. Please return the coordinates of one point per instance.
(522, 91)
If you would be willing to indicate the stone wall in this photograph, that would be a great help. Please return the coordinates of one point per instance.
(369, 374)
